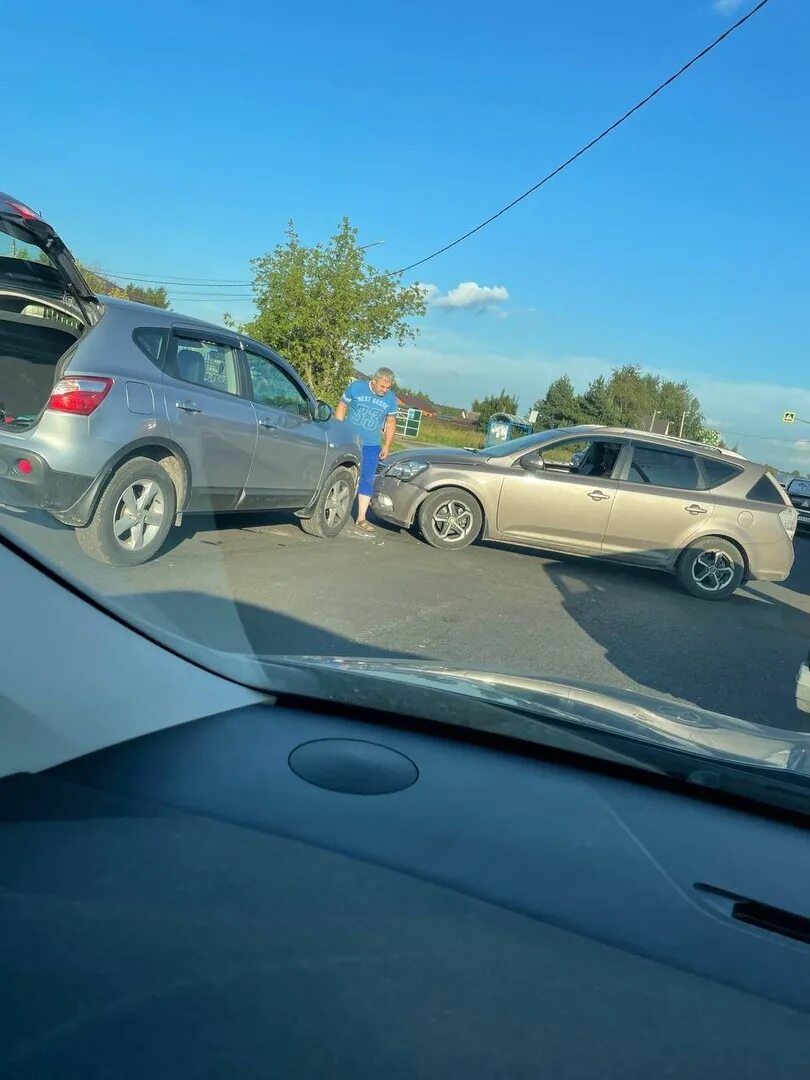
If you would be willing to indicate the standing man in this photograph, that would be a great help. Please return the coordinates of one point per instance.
(370, 407)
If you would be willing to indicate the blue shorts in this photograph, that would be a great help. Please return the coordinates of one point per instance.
(371, 455)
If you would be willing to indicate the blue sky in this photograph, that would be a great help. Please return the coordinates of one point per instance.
(169, 144)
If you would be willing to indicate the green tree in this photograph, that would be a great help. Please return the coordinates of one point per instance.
(559, 407)
(322, 307)
(494, 403)
(596, 405)
(637, 395)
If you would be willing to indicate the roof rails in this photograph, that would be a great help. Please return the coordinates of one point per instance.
(678, 441)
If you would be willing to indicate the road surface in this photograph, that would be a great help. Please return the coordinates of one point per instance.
(259, 584)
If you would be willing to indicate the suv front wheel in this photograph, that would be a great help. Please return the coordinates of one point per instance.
(333, 505)
(711, 568)
(133, 516)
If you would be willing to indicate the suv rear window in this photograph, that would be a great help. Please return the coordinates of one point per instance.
(718, 472)
(664, 468)
(765, 490)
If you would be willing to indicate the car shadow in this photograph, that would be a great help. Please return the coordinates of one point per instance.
(235, 626)
(205, 526)
(729, 657)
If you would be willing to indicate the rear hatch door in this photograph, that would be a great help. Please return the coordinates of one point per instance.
(21, 229)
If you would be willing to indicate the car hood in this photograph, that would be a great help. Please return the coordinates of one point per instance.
(437, 455)
(62, 274)
(662, 721)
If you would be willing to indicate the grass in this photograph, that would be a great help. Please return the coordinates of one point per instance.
(438, 433)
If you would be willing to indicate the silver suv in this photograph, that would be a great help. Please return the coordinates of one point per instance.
(118, 418)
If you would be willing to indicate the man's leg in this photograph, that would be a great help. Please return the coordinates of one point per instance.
(368, 470)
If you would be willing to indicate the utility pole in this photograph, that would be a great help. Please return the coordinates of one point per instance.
(683, 421)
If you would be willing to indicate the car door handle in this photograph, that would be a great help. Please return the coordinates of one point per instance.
(188, 406)
(268, 423)
(694, 509)
(597, 496)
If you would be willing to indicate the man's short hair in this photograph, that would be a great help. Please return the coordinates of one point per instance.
(384, 373)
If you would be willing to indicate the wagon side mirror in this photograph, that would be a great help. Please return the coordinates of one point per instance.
(323, 411)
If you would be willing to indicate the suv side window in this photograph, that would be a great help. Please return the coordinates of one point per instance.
(273, 387)
(664, 468)
(152, 342)
(718, 472)
(205, 363)
(765, 490)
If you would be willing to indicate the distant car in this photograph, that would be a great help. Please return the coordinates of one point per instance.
(798, 491)
(118, 418)
(706, 515)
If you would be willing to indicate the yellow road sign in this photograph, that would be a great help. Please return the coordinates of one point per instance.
(789, 418)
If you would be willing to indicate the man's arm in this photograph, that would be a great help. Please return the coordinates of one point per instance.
(388, 438)
(340, 410)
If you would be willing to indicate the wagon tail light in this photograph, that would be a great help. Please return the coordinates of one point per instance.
(790, 519)
(80, 396)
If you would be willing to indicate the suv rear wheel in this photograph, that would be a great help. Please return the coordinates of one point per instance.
(711, 568)
(334, 504)
(133, 516)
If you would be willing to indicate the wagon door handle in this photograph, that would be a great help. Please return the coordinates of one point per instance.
(597, 496)
(189, 406)
(694, 509)
(268, 423)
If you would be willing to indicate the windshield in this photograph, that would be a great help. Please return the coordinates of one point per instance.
(243, 445)
(525, 442)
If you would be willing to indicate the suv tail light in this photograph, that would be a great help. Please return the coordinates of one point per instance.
(79, 395)
(790, 519)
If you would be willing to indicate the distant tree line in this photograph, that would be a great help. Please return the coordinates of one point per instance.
(105, 286)
(626, 398)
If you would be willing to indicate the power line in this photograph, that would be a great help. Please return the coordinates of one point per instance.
(593, 142)
(186, 298)
(207, 283)
(761, 438)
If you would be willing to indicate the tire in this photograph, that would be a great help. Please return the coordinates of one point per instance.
(711, 568)
(450, 518)
(142, 490)
(333, 506)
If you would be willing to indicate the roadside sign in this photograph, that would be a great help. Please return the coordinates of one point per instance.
(533, 416)
(408, 421)
(789, 418)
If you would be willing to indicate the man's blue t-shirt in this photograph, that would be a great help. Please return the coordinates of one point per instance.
(368, 411)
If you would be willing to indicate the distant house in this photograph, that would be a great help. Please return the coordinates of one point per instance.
(410, 401)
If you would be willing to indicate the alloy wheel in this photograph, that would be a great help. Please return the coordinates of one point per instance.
(713, 570)
(337, 501)
(452, 521)
(139, 515)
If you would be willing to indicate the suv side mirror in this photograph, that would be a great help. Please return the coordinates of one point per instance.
(323, 411)
(533, 462)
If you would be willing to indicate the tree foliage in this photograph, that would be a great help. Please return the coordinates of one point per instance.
(559, 408)
(494, 403)
(322, 307)
(624, 399)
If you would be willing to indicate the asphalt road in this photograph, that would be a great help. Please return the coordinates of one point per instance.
(259, 584)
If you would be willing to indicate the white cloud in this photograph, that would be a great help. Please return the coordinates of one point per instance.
(468, 296)
(430, 292)
(727, 7)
